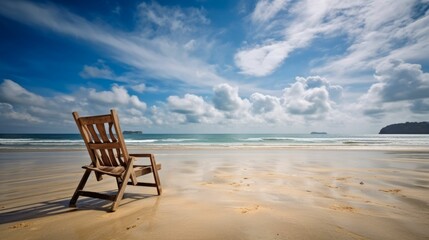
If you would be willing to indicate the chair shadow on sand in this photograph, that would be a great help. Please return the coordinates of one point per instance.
(61, 207)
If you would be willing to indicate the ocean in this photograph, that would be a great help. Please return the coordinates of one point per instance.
(61, 141)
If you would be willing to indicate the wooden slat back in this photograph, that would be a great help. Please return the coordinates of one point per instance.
(103, 139)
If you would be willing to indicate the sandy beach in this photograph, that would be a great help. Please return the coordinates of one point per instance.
(224, 193)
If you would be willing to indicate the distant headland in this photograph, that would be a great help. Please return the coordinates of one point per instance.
(318, 133)
(406, 128)
(132, 132)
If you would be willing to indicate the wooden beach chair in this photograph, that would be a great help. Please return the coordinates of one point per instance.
(109, 157)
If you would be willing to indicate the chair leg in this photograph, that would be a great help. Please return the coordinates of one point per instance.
(79, 188)
(155, 174)
(119, 182)
(121, 190)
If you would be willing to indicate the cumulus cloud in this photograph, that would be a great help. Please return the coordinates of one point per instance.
(194, 108)
(306, 99)
(398, 81)
(17, 103)
(119, 95)
(263, 103)
(310, 96)
(399, 86)
(226, 98)
(267, 109)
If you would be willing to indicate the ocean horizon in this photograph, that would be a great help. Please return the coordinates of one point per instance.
(72, 140)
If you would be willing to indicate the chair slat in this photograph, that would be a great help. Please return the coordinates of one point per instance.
(104, 145)
(102, 131)
(112, 134)
(96, 119)
(94, 134)
(118, 158)
(107, 155)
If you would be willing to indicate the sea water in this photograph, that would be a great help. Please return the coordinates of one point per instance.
(53, 141)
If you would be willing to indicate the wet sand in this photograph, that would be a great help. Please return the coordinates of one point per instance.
(224, 193)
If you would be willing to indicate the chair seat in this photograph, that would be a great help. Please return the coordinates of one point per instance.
(119, 170)
(112, 171)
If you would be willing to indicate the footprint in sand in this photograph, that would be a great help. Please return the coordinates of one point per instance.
(342, 178)
(206, 183)
(20, 225)
(343, 208)
(390, 190)
(133, 226)
(245, 210)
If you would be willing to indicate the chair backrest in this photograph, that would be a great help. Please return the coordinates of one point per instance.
(103, 138)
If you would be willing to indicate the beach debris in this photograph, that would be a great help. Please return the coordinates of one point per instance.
(361, 183)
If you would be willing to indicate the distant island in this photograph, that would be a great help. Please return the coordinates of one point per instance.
(318, 133)
(406, 128)
(132, 132)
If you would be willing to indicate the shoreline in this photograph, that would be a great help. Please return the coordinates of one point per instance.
(420, 148)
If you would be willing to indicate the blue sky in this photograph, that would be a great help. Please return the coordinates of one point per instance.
(209, 66)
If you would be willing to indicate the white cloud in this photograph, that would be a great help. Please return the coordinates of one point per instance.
(193, 107)
(267, 9)
(310, 96)
(99, 70)
(263, 103)
(306, 99)
(263, 60)
(9, 114)
(172, 19)
(139, 87)
(370, 31)
(226, 98)
(10, 91)
(17, 103)
(399, 85)
(398, 81)
(311, 102)
(118, 96)
(48, 113)
(378, 31)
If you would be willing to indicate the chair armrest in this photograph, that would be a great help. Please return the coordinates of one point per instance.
(141, 155)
